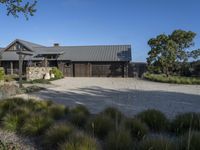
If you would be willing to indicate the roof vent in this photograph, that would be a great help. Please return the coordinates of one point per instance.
(56, 44)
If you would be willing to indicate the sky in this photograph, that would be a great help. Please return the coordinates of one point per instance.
(102, 22)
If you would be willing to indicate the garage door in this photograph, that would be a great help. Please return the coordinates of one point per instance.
(81, 70)
(101, 71)
(107, 70)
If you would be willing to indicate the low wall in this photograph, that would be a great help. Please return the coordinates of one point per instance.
(33, 73)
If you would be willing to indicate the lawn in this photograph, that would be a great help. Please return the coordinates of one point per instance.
(60, 128)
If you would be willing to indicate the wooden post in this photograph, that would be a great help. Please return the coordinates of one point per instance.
(20, 65)
(11, 68)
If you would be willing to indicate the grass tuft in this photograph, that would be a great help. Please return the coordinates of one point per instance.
(57, 134)
(80, 142)
(36, 124)
(155, 120)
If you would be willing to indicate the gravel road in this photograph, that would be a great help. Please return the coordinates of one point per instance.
(129, 95)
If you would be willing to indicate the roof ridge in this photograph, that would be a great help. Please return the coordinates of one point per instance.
(29, 42)
(91, 45)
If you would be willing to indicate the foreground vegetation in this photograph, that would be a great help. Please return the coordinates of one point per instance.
(61, 128)
(171, 79)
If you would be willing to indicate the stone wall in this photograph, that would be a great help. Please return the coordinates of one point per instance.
(33, 73)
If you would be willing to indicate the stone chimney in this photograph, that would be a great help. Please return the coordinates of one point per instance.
(56, 44)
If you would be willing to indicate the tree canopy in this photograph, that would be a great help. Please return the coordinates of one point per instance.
(170, 52)
(16, 7)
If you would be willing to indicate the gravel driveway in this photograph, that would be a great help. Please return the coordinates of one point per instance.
(129, 95)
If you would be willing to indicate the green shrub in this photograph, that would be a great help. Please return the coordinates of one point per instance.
(190, 141)
(80, 142)
(157, 143)
(79, 115)
(41, 81)
(100, 126)
(13, 119)
(182, 123)
(56, 134)
(31, 89)
(2, 73)
(36, 124)
(40, 106)
(9, 146)
(11, 122)
(58, 73)
(9, 105)
(137, 129)
(119, 140)
(56, 111)
(155, 119)
(114, 114)
(9, 78)
(171, 79)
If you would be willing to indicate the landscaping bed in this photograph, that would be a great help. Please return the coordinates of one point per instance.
(57, 127)
(172, 79)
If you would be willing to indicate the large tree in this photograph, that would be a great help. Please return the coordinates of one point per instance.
(16, 7)
(170, 53)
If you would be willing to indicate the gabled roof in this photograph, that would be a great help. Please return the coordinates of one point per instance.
(28, 45)
(75, 53)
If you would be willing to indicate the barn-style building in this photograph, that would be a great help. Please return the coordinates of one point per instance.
(74, 61)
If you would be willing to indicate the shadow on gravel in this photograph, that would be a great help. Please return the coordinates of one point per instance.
(130, 102)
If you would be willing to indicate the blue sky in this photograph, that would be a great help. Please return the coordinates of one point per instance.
(97, 22)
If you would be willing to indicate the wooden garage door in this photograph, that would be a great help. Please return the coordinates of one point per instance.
(81, 70)
(107, 70)
(101, 70)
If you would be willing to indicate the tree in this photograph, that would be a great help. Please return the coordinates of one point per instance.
(15, 7)
(170, 53)
(195, 54)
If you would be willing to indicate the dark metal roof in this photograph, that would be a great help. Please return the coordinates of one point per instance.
(76, 53)
(96, 53)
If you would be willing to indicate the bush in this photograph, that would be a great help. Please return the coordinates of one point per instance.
(58, 73)
(56, 111)
(190, 141)
(137, 129)
(13, 119)
(114, 114)
(31, 89)
(182, 123)
(9, 78)
(2, 73)
(80, 142)
(11, 122)
(9, 146)
(156, 143)
(100, 126)
(56, 135)
(39, 106)
(41, 81)
(79, 115)
(119, 140)
(155, 119)
(8, 105)
(171, 79)
(36, 124)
